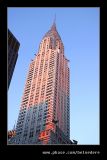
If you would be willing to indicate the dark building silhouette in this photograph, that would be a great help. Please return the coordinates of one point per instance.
(13, 47)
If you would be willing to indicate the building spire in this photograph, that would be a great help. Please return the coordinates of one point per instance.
(54, 19)
(54, 23)
(53, 30)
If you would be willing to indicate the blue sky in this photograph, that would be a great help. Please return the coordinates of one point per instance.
(79, 31)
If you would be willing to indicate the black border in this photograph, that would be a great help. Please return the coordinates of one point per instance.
(3, 77)
(3, 94)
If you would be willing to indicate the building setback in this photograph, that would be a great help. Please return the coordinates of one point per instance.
(13, 47)
(44, 116)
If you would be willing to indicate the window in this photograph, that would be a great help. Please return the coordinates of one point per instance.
(25, 135)
(31, 134)
(38, 130)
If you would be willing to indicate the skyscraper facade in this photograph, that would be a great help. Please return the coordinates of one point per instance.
(13, 47)
(44, 116)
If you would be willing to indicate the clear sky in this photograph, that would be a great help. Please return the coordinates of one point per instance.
(79, 31)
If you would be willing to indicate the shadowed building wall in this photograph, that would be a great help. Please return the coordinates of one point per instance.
(13, 47)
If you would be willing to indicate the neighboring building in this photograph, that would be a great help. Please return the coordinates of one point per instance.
(13, 47)
(11, 134)
(44, 116)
